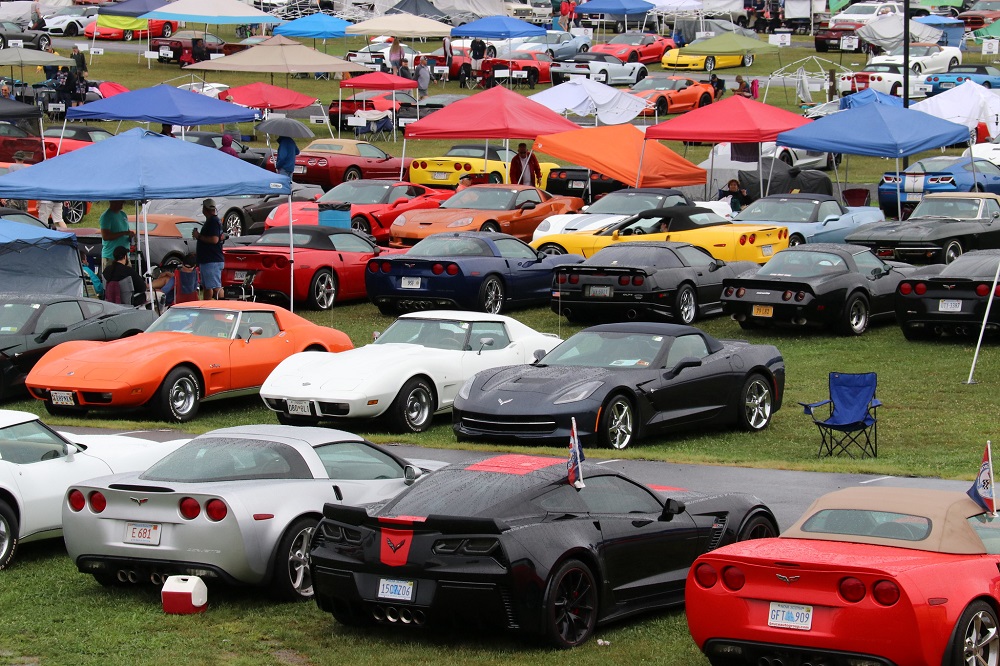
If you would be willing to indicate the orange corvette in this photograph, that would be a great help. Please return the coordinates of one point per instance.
(672, 94)
(196, 351)
(512, 209)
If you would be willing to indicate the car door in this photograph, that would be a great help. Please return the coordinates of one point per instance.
(252, 358)
(523, 222)
(709, 282)
(352, 254)
(881, 285)
(376, 163)
(529, 278)
(51, 318)
(644, 557)
(830, 231)
(693, 394)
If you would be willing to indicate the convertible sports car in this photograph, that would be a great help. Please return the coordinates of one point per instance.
(987, 76)
(470, 270)
(195, 351)
(622, 382)
(31, 39)
(78, 133)
(950, 299)
(676, 281)
(329, 162)
(885, 78)
(409, 373)
(810, 218)
(151, 28)
(459, 58)
(508, 542)
(679, 59)
(820, 284)
(31, 325)
(375, 205)
(555, 44)
(537, 65)
(513, 209)
(911, 562)
(445, 171)
(329, 266)
(601, 67)
(689, 224)
(939, 230)
(14, 138)
(611, 208)
(237, 505)
(942, 173)
(70, 21)
(828, 37)
(672, 94)
(924, 58)
(637, 47)
(37, 464)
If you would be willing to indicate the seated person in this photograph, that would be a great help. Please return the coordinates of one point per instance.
(122, 283)
(719, 85)
(187, 290)
(738, 197)
(742, 88)
(198, 51)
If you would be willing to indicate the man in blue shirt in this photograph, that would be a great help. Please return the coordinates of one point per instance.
(285, 160)
(209, 251)
(114, 232)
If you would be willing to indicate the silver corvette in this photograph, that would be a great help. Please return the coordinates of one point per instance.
(236, 505)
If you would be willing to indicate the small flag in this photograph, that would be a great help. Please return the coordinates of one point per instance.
(982, 489)
(573, 469)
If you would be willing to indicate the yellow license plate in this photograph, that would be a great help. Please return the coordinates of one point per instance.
(763, 311)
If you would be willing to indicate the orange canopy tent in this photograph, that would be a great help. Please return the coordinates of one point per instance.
(617, 150)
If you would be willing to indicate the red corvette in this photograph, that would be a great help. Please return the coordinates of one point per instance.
(637, 47)
(460, 56)
(374, 205)
(535, 64)
(368, 100)
(868, 576)
(329, 162)
(329, 265)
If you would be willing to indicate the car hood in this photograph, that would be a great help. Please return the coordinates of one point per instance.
(112, 360)
(349, 370)
(542, 380)
(121, 453)
(441, 218)
(908, 230)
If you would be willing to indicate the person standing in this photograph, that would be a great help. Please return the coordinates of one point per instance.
(396, 55)
(449, 54)
(80, 60)
(66, 86)
(404, 70)
(114, 232)
(284, 162)
(422, 75)
(524, 168)
(477, 51)
(52, 210)
(209, 250)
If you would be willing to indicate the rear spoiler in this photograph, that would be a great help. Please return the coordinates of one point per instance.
(358, 517)
(593, 270)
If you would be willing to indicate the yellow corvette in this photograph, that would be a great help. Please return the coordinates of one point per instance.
(678, 59)
(689, 224)
(445, 171)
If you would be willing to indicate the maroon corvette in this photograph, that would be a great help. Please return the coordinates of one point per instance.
(329, 162)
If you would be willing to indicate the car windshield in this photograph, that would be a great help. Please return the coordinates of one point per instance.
(214, 459)
(627, 38)
(659, 225)
(358, 193)
(802, 265)
(482, 198)
(986, 6)
(916, 50)
(437, 333)
(630, 203)
(14, 317)
(947, 207)
(660, 83)
(202, 322)
(869, 523)
(448, 245)
(608, 349)
(932, 164)
(778, 210)
(860, 9)
(280, 238)
(30, 442)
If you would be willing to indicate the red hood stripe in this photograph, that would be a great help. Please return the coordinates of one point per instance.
(514, 463)
(666, 489)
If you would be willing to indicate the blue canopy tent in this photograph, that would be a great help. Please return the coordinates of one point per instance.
(952, 29)
(869, 96)
(317, 26)
(616, 10)
(498, 27)
(163, 104)
(878, 130)
(35, 260)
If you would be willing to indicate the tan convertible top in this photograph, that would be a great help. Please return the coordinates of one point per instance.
(947, 511)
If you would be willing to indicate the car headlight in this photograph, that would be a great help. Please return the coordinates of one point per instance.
(270, 215)
(544, 226)
(466, 389)
(399, 221)
(622, 51)
(578, 393)
(461, 222)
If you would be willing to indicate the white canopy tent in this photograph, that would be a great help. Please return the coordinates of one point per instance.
(967, 104)
(584, 97)
(887, 32)
(400, 25)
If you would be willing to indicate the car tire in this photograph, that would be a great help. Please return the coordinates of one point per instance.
(894, 90)
(73, 212)
(917, 68)
(71, 30)
(179, 396)
(584, 48)
(323, 290)
(952, 64)
(8, 535)
(856, 315)
(43, 42)
(234, 222)
(552, 249)
(60, 410)
(758, 527)
(167, 30)
(414, 407)
(492, 227)
(952, 250)
(709, 63)
(571, 605)
(496, 177)
(532, 78)
(685, 305)
(786, 157)
(360, 224)
(975, 636)
(795, 239)
(641, 74)
(748, 60)
(756, 399)
(620, 26)
(550, 54)
(601, 77)
(3, 43)
(300, 421)
(987, 85)
(633, 57)
(662, 107)
(704, 100)
(292, 579)
(352, 173)
(617, 428)
(491, 295)
(127, 35)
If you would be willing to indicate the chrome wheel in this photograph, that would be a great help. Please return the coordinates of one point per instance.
(952, 251)
(183, 395)
(299, 574)
(359, 223)
(179, 395)
(978, 632)
(352, 173)
(8, 535)
(687, 306)
(747, 59)
(323, 290)
(617, 426)
(855, 317)
(756, 403)
(795, 239)
(491, 296)
(552, 249)
(758, 527)
(413, 408)
(709, 63)
(233, 223)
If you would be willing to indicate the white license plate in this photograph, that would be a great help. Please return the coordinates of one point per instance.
(766, 250)
(948, 85)
(949, 305)
(63, 398)
(600, 292)
(410, 283)
(144, 533)
(790, 616)
(240, 275)
(400, 590)
(165, 51)
(440, 175)
(912, 196)
(299, 407)
(577, 184)
(299, 168)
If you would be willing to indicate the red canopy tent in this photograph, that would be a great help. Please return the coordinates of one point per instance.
(265, 96)
(735, 119)
(379, 81)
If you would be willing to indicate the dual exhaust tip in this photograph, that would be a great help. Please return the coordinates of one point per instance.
(129, 576)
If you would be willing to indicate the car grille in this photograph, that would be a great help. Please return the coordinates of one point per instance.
(507, 425)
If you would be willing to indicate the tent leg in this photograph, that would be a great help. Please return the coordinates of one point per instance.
(899, 197)
(402, 159)
(982, 331)
(638, 171)
(291, 256)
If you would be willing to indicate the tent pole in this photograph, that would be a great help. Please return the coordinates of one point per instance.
(836, 174)
(149, 263)
(899, 198)
(711, 171)
(638, 171)
(61, 134)
(340, 111)
(402, 159)
(982, 331)
(291, 253)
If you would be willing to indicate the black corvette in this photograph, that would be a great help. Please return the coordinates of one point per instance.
(822, 284)
(950, 300)
(507, 542)
(642, 280)
(30, 325)
(621, 382)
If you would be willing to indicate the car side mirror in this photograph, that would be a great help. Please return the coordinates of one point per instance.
(47, 333)
(540, 255)
(528, 205)
(716, 265)
(485, 342)
(411, 474)
(686, 362)
(671, 508)
(255, 331)
(538, 355)
(830, 218)
(316, 197)
(614, 235)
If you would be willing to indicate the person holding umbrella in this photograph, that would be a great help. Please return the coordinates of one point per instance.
(285, 160)
(285, 129)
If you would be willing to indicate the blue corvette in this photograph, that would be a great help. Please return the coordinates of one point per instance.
(936, 174)
(985, 75)
(810, 218)
(466, 270)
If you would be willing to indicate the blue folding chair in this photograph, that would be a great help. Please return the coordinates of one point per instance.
(851, 421)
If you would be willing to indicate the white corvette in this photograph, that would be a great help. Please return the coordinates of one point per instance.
(37, 465)
(924, 58)
(600, 67)
(409, 373)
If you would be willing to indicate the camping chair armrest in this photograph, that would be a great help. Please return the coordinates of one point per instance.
(876, 403)
(808, 407)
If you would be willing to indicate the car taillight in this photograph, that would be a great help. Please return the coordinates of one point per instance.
(561, 278)
(98, 502)
(76, 500)
(386, 266)
(940, 180)
(373, 267)
(705, 575)
(920, 289)
(733, 578)
(267, 261)
(216, 510)
(851, 589)
(280, 262)
(451, 269)
(623, 280)
(574, 278)
(322, 162)
(423, 165)
(189, 508)
(787, 296)
(458, 167)
(996, 292)
(467, 166)
(637, 280)
(743, 239)
(729, 291)
(905, 288)
(752, 239)
(741, 292)
(437, 269)
(982, 290)
(885, 592)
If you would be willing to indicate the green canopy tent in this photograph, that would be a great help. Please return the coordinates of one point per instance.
(731, 43)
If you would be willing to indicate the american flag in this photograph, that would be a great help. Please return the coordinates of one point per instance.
(573, 469)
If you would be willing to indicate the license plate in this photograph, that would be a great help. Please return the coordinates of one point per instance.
(949, 305)
(763, 311)
(240, 275)
(600, 292)
(410, 283)
(399, 590)
(766, 250)
(299, 407)
(790, 616)
(165, 51)
(577, 184)
(912, 196)
(440, 175)
(947, 85)
(299, 168)
(63, 398)
(145, 533)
